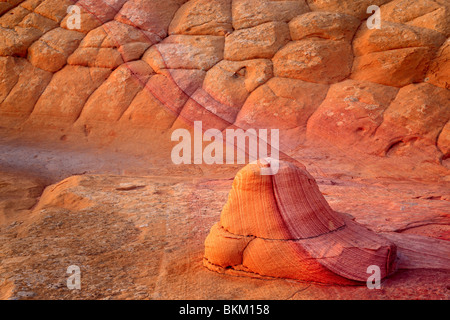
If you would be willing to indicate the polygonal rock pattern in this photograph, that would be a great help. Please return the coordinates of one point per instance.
(314, 60)
(115, 95)
(51, 51)
(444, 141)
(250, 13)
(394, 36)
(281, 226)
(230, 82)
(251, 63)
(282, 103)
(357, 8)
(394, 55)
(22, 98)
(351, 113)
(161, 101)
(185, 52)
(262, 41)
(200, 17)
(64, 98)
(328, 25)
(397, 67)
(428, 14)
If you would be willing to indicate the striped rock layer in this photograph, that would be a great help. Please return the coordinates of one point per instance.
(281, 226)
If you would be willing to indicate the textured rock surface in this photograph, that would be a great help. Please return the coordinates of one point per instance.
(262, 41)
(394, 55)
(281, 226)
(203, 17)
(136, 254)
(282, 103)
(136, 69)
(416, 116)
(315, 60)
(328, 25)
(351, 113)
(324, 42)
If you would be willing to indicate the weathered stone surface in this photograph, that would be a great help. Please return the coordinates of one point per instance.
(37, 21)
(66, 228)
(394, 55)
(14, 17)
(23, 96)
(250, 13)
(62, 101)
(443, 142)
(29, 4)
(94, 13)
(149, 15)
(96, 58)
(328, 25)
(10, 69)
(351, 113)
(292, 232)
(50, 53)
(439, 70)
(119, 34)
(203, 17)
(5, 6)
(314, 60)
(231, 82)
(394, 36)
(112, 98)
(388, 129)
(396, 67)
(53, 9)
(202, 107)
(160, 102)
(408, 49)
(16, 42)
(111, 45)
(425, 14)
(438, 20)
(185, 52)
(419, 252)
(415, 118)
(281, 103)
(260, 42)
(19, 194)
(357, 8)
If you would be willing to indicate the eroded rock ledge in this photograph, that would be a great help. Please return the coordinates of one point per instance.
(173, 62)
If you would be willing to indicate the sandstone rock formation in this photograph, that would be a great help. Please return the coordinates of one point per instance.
(231, 49)
(281, 226)
(133, 241)
(368, 109)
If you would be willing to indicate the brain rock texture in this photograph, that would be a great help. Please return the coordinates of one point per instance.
(312, 68)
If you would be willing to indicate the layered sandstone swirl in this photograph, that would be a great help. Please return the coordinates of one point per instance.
(317, 70)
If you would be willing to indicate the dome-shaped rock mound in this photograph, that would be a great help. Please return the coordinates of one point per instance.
(281, 226)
